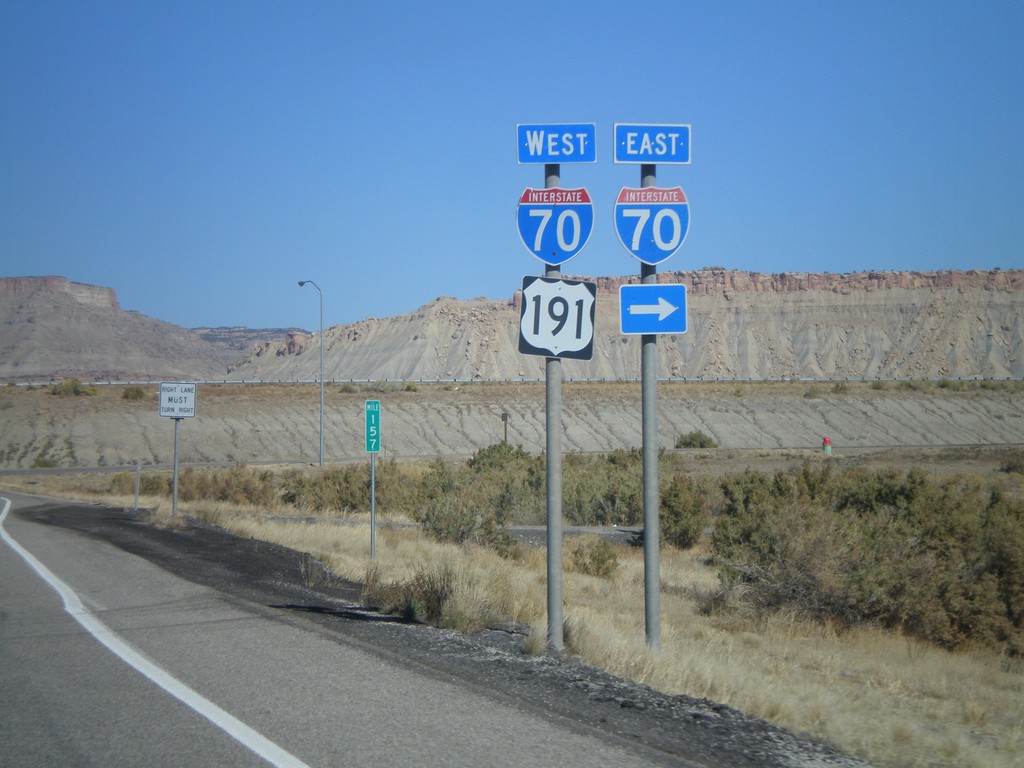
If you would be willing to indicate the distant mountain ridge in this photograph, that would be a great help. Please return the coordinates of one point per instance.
(239, 337)
(54, 328)
(89, 295)
(742, 325)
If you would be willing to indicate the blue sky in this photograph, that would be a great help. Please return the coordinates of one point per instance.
(202, 157)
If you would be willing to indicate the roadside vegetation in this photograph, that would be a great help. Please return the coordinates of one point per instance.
(882, 610)
(695, 439)
(941, 560)
(72, 388)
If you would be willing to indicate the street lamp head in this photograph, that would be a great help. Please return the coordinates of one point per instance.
(301, 283)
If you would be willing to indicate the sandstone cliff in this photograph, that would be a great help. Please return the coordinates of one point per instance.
(742, 325)
(54, 328)
(87, 295)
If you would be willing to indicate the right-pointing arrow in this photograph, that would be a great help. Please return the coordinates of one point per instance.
(651, 309)
(662, 309)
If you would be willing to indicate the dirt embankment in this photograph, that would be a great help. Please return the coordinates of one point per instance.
(280, 423)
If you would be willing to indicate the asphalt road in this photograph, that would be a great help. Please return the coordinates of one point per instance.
(122, 643)
(195, 676)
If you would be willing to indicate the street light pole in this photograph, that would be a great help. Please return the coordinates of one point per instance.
(310, 282)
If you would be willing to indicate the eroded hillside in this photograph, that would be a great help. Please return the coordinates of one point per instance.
(741, 325)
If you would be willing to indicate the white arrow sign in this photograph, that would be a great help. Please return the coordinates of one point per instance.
(652, 308)
(662, 309)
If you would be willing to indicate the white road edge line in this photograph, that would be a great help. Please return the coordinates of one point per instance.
(228, 723)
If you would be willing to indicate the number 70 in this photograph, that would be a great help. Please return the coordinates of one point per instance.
(564, 216)
(643, 215)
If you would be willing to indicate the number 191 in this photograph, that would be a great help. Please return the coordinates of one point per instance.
(558, 310)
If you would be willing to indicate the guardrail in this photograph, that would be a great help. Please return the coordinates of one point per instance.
(581, 380)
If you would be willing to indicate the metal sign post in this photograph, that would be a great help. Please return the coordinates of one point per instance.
(554, 227)
(651, 224)
(553, 446)
(138, 481)
(174, 475)
(649, 428)
(177, 401)
(373, 440)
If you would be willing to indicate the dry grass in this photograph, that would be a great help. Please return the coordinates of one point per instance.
(892, 700)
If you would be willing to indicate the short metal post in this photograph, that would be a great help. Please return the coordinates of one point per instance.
(138, 481)
(174, 482)
(373, 505)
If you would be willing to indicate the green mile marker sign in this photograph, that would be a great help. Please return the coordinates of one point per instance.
(373, 426)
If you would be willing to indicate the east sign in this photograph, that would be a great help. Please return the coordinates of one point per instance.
(659, 144)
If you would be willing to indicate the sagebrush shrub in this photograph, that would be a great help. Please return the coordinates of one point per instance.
(133, 393)
(423, 598)
(450, 519)
(72, 388)
(940, 560)
(238, 485)
(684, 512)
(695, 439)
(1013, 463)
(593, 556)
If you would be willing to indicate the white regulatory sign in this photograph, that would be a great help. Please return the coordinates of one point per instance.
(178, 400)
(557, 318)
